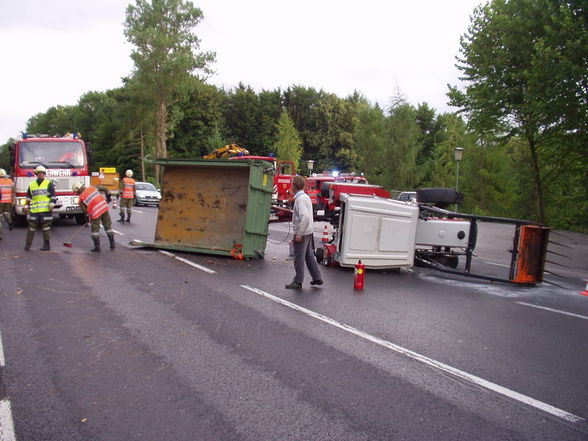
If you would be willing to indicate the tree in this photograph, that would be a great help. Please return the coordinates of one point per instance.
(525, 64)
(165, 55)
(370, 141)
(402, 148)
(288, 144)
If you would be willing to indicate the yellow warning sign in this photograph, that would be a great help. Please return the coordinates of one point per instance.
(107, 170)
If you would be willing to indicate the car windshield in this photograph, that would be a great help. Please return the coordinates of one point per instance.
(145, 186)
(51, 154)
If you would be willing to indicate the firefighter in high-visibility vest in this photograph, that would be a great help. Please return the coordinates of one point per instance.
(95, 204)
(127, 195)
(6, 199)
(39, 206)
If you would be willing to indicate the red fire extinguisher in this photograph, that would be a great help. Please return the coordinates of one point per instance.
(359, 276)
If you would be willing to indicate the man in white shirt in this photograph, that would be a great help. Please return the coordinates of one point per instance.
(302, 221)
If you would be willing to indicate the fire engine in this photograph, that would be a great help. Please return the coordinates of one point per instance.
(316, 183)
(66, 161)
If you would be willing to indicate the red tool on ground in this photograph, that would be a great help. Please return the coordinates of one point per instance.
(68, 244)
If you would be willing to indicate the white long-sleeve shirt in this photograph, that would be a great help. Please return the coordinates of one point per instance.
(302, 214)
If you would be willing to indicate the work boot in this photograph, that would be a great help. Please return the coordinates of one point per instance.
(111, 240)
(27, 246)
(129, 217)
(96, 244)
(10, 226)
(122, 217)
(45, 246)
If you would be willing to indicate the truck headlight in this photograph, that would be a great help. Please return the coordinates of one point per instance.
(22, 201)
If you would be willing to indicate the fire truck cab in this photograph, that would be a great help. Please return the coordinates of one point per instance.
(66, 161)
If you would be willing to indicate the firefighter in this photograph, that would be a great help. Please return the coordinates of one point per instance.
(39, 206)
(6, 200)
(127, 195)
(95, 204)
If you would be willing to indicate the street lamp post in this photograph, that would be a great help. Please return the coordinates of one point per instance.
(458, 157)
(310, 166)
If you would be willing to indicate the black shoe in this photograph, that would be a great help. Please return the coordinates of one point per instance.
(27, 247)
(294, 285)
(10, 226)
(45, 246)
(317, 282)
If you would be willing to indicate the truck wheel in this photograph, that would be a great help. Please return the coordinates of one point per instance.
(319, 253)
(19, 221)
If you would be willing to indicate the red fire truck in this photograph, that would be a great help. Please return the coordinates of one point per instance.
(66, 161)
(317, 188)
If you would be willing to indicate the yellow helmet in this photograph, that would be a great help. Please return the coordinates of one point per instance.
(40, 169)
(2, 172)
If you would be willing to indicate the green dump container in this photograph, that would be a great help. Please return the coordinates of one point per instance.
(214, 206)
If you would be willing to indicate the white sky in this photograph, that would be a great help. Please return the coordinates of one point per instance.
(54, 51)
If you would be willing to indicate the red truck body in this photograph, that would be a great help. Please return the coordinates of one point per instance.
(330, 196)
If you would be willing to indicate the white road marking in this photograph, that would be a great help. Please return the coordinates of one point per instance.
(2, 359)
(186, 261)
(426, 360)
(6, 424)
(498, 264)
(554, 310)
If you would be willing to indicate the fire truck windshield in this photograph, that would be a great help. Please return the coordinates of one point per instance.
(51, 154)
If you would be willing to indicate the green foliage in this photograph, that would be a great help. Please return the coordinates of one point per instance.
(288, 144)
(526, 67)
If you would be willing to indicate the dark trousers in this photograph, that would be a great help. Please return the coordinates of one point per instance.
(304, 255)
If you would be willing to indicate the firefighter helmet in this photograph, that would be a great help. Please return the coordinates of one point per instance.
(129, 173)
(40, 169)
(2, 172)
(76, 186)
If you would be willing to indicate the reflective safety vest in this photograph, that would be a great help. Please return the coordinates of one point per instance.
(95, 202)
(40, 196)
(128, 189)
(6, 193)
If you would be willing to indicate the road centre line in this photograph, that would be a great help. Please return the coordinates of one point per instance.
(186, 261)
(2, 359)
(553, 310)
(6, 424)
(426, 360)
(498, 264)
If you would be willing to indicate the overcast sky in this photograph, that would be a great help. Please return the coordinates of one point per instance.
(54, 51)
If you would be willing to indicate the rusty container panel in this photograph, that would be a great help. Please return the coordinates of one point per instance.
(531, 252)
(214, 206)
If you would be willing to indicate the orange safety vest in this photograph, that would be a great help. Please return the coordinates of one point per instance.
(128, 189)
(6, 191)
(95, 202)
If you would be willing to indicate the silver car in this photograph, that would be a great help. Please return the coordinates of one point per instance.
(146, 194)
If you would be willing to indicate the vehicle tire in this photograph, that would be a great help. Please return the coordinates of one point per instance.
(439, 196)
(135, 203)
(19, 221)
(319, 253)
(81, 219)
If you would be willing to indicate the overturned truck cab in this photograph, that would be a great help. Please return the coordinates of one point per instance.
(392, 234)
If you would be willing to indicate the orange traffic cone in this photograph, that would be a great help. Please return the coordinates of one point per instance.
(585, 292)
(326, 238)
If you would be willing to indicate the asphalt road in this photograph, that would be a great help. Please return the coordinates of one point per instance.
(138, 344)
